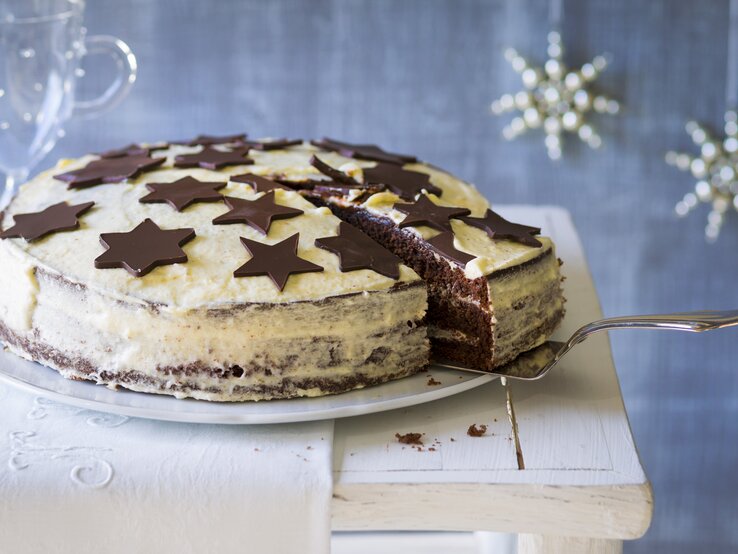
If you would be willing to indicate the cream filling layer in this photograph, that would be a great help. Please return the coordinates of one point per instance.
(525, 303)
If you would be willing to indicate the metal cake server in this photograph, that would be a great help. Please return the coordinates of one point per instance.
(536, 363)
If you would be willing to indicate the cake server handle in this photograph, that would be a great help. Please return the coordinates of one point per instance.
(695, 322)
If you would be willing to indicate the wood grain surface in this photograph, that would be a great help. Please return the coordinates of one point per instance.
(417, 76)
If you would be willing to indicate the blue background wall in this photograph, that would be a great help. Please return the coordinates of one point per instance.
(417, 77)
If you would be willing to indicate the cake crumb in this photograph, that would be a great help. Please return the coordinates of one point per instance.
(432, 382)
(453, 439)
(309, 447)
(431, 449)
(409, 438)
(476, 431)
(257, 450)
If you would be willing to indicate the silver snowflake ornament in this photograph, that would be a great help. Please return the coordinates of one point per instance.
(716, 171)
(555, 98)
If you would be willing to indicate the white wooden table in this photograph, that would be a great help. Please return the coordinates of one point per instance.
(582, 488)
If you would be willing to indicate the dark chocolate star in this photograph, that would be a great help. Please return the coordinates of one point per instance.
(404, 183)
(109, 170)
(210, 158)
(130, 150)
(276, 144)
(209, 140)
(133, 150)
(355, 250)
(144, 248)
(443, 244)
(498, 227)
(259, 184)
(334, 173)
(183, 192)
(59, 217)
(257, 213)
(363, 151)
(278, 261)
(425, 212)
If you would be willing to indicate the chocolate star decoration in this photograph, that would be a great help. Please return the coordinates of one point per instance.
(144, 248)
(355, 250)
(210, 158)
(424, 212)
(130, 150)
(363, 151)
(133, 150)
(278, 261)
(59, 217)
(259, 184)
(109, 170)
(334, 173)
(404, 183)
(276, 144)
(183, 192)
(209, 140)
(443, 244)
(257, 213)
(499, 228)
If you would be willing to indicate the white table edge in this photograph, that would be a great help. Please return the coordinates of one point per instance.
(596, 511)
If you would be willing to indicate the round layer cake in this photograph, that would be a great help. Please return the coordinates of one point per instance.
(219, 269)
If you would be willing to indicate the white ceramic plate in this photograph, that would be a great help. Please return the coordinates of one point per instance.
(47, 383)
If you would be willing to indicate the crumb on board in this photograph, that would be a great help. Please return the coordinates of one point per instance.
(476, 431)
(409, 438)
(432, 382)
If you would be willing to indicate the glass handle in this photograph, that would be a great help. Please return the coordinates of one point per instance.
(119, 88)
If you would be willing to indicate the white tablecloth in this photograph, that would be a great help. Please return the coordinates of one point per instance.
(76, 481)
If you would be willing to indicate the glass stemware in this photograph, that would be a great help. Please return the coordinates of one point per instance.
(41, 45)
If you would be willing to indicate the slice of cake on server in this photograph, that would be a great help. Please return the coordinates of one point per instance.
(212, 269)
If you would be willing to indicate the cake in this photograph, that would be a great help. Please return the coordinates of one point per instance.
(227, 269)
